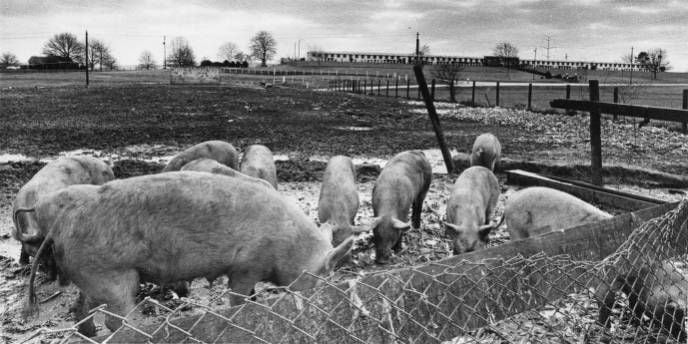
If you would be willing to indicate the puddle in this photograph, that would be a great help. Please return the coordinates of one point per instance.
(352, 128)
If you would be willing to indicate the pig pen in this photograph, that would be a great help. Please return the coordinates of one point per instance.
(389, 290)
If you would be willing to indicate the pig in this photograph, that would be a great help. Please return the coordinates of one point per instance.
(403, 183)
(338, 201)
(258, 162)
(659, 291)
(212, 166)
(486, 151)
(473, 197)
(534, 208)
(220, 151)
(176, 226)
(56, 175)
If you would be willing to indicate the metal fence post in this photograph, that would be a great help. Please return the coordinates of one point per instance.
(595, 136)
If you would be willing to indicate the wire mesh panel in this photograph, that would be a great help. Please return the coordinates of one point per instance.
(638, 294)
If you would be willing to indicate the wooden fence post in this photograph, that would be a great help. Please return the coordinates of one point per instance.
(530, 96)
(379, 86)
(387, 90)
(595, 136)
(396, 88)
(365, 85)
(408, 88)
(432, 90)
(568, 96)
(616, 100)
(434, 119)
(685, 106)
(473, 95)
(497, 96)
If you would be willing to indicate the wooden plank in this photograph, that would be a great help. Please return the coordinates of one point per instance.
(660, 113)
(589, 193)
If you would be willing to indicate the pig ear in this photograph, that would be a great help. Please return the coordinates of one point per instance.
(484, 230)
(451, 229)
(400, 225)
(337, 253)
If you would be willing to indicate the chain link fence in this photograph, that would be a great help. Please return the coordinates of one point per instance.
(638, 294)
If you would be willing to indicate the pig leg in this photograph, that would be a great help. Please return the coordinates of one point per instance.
(243, 284)
(23, 256)
(416, 209)
(117, 289)
(82, 306)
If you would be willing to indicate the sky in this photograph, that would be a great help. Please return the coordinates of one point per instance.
(587, 30)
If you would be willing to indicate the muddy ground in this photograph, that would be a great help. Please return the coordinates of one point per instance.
(138, 127)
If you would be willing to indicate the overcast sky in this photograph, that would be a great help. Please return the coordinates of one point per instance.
(578, 29)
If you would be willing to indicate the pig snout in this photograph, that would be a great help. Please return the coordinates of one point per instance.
(387, 236)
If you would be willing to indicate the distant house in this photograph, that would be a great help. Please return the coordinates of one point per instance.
(52, 62)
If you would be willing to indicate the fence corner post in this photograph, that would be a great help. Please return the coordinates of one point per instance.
(595, 136)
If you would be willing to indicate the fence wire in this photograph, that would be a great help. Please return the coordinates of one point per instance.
(638, 294)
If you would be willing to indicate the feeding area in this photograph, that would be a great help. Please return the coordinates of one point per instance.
(323, 216)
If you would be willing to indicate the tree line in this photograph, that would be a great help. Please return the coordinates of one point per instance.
(66, 49)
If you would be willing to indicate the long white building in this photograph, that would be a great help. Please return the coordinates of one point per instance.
(371, 57)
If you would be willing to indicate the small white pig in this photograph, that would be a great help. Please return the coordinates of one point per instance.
(220, 151)
(537, 207)
(486, 151)
(338, 202)
(472, 200)
(258, 162)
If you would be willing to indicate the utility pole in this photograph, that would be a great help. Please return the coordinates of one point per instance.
(534, 61)
(417, 47)
(86, 58)
(548, 39)
(164, 53)
(298, 56)
(630, 80)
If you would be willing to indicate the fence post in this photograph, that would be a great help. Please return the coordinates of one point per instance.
(353, 86)
(432, 90)
(408, 88)
(595, 136)
(379, 84)
(387, 90)
(473, 95)
(616, 100)
(365, 85)
(568, 96)
(396, 88)
(530, 96)
(423, 87)
(497, 96)
(685, 107)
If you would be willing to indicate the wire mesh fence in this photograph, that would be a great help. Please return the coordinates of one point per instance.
(638, 294)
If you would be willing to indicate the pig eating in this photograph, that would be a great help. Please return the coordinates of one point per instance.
(473, 197)
(258, 162)
(176, 226)
(54, 176)
(534, 208)
(486, 151)
(403, 183)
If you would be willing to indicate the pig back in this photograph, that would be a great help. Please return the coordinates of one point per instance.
(404, 177)
(476, 187)
(221, 151)
(182, 225)
(258, 162)
(338, 201)
(537, 207)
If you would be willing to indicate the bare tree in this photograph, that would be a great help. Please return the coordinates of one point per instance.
(263, 47)
(505, 49)
(448, 73)
(8, 59)
(181, 54)
(64, 45)
(98, 54)
(424, 50)
(628, 58)
(654, 60)
(228, 51)
(146, 60)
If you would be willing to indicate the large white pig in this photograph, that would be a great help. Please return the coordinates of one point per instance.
(486, 151)
(177, 226)
(258, 162)
(473, 197)
(402, 184)
(54, 176)
(536, 208)
(212, 166)
(220, 151)
(338, 201)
